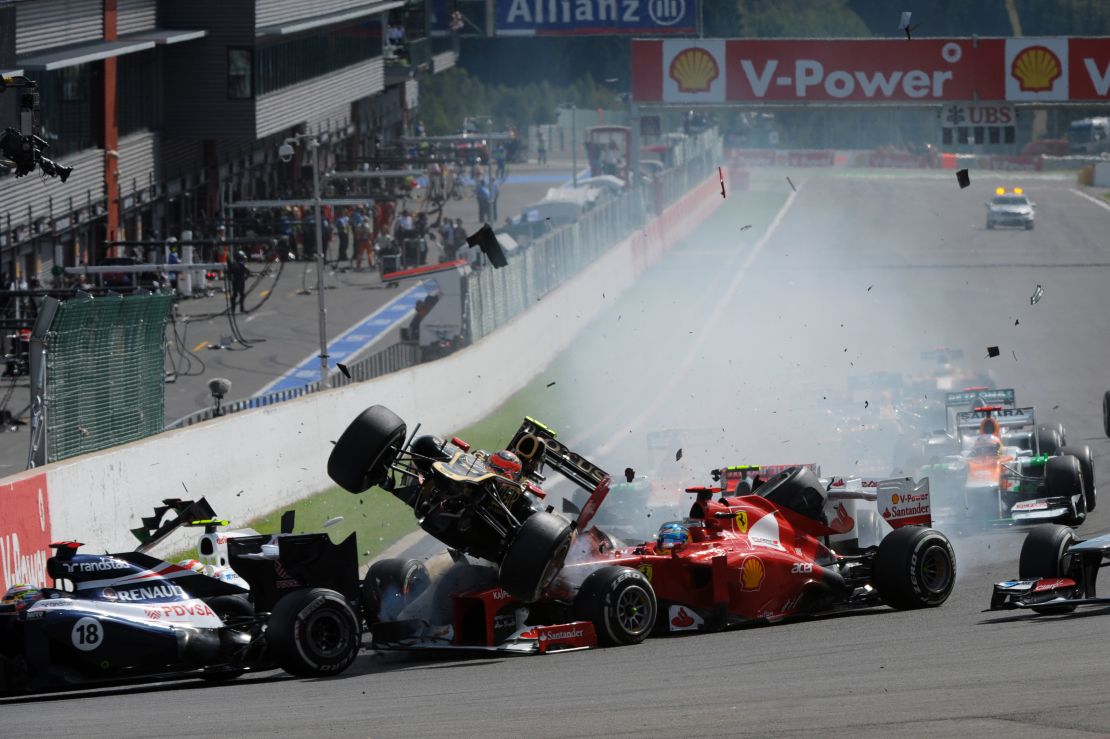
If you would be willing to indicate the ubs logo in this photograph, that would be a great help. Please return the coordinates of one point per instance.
(666, 12)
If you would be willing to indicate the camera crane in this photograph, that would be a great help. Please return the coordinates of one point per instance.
(22, 149)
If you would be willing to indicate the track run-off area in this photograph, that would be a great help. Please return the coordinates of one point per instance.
(750, 329)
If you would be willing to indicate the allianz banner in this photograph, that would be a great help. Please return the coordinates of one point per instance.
(596, 17)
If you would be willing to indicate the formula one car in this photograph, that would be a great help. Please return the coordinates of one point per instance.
(126, 616)
(1056, 572)
(735, 560)
(1012, 472)
(486, 505)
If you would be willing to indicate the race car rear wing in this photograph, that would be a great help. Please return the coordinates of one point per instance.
(1008, 418)
(976, 398)
(537, 446)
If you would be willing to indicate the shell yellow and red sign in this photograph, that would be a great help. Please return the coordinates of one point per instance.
(921, 71)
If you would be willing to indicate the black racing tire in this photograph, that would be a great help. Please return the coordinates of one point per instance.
(390, 585)
(369, 445)
(1042, 555)
(1063, 477)
(313, 632)
(915, 567)
(1048, 441)
(535, 555)
(1087, 468)
(620, 603)
(1106, 412)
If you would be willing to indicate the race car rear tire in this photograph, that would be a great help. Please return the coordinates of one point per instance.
(233, 608)
(390, 585)
(1063, 477)
(369, 445)
(1087, 468)
(1042, 555)
(1106, 412)
(1048, 441)
(620, 603)
(535, 555)
(914, 568)
(313, 632)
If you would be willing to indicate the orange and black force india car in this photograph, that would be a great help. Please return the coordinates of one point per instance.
(1057, 572)
(734, 560)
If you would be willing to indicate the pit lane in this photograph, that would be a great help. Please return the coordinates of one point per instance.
(762, 349)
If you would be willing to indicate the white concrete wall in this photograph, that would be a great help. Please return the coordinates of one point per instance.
(256, 461)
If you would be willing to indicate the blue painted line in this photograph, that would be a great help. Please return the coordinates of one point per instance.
(355, 339)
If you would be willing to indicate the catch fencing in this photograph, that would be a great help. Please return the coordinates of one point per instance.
(492, 297)
(97, 373)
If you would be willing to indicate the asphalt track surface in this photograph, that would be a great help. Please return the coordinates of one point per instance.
(753, 342)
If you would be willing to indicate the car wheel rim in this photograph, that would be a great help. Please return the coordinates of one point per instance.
(633, 610)
(327, 633)
(936, 570)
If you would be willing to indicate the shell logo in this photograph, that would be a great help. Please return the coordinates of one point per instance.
(896, 499)
(694, 70)
(1036, 68)
(752, 573)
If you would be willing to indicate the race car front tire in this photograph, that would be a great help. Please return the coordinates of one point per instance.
(535, 555)
(1087, 470)
(390, 585)
(313, 632)
(620, 603)
(915, 567)
(1042, 555)
(1063, 478)
(369, 445)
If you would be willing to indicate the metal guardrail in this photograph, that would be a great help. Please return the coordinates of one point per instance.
(492, 297)
(399, 356)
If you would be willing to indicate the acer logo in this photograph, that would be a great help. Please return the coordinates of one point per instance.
(840, 83)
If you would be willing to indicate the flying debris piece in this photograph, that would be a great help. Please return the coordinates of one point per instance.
(343, 368)
(1017, 321)
(869, 288)
(486, 240)
(963, 178)
(551, 384)
(992, 351)
(904, 25)
(745, 228)
(1036, 296)
(678, 455)
(629, 474)
(332, 521)
(866, 403)
(791, 183)
(721, 174)
(1014, 353)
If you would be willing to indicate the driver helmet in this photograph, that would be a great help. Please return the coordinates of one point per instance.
(989, 426)
(192, 564)
(506, 464)
(18, 599)
(672, 535)
(987, 445)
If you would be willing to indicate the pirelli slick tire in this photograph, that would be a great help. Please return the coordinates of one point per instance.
(1043, 554)
(620, 603)
(535, 555)
(914, 568)
(313, 633)
(390, 585)
(1087, 471)
(1106, 412)
(1048, 441)
(1063, 477)
(370, 444)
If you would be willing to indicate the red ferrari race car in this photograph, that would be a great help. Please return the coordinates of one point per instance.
(735, 560)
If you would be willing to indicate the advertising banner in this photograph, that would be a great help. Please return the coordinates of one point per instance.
(854, 71)
(597, 17)
(24, 531)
